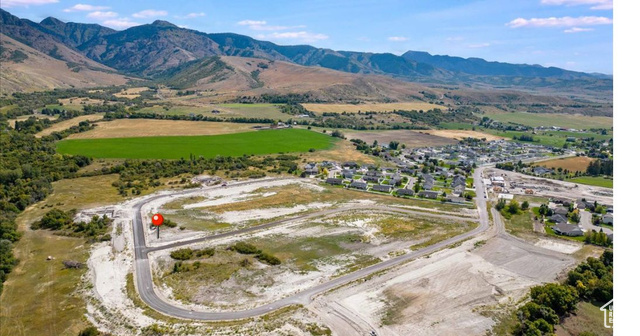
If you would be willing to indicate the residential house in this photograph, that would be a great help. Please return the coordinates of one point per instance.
(395, 179)
(348, 174)
(567, 229)
(428, 194)
(607, 219)
(358, 185)
(371, 178)
(334, 181)
(558, 219)
(350, 164)
(405, 192)
(561, 211)
(382, 188)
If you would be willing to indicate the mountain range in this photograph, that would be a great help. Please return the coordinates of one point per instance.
(161, 50)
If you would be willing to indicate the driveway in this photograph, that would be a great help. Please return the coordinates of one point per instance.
(586, 224)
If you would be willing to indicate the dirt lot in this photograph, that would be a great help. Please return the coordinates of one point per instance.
(453, 292)
(577, 163)
(386, 107)
(461, 134)
(411, 139)
(63, 125)
(123, 128)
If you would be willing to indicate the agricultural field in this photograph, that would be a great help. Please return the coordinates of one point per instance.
(123, 128)
(41, 297)
(461, 134)
(594, 181)
(572, 164)
(12, 122)
(410, 138)
(63, 125)
(176, 147)
(131, 93)
(270, 111)
(382, 107)
(551, 119)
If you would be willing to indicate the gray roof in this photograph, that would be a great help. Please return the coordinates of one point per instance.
(408, 192)
(567, 229)
(558, 218)
(359, 185)
(382, 187)
(334, 181)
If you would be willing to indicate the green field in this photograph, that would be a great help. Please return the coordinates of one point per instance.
(552, 119)
(167, 147)
(594, 181)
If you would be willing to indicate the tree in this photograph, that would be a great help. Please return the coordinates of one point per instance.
(562, 299)
(514, 207)
(524, 205)
(394, 145)
(90, 331)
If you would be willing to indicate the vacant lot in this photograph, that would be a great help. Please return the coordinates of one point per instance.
(410, 138)
(577, 163)
(124, 128)
(461, 134)
(343, 151)
(385, 107)
(63, 125)
(176, 147)
(552, 119)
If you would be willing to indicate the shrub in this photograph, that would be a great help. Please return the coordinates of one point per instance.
(207, 252)
(182, 254)
(268, 258)
(244, 248)
(170, 223)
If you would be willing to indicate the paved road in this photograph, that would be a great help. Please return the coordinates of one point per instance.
(587, 224)
(144, 282)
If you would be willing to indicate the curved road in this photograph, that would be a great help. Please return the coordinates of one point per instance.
(144, 281)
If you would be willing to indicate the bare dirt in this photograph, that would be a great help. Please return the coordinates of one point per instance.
(461, 134)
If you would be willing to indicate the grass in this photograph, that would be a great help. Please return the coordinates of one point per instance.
(552, 119)
(587, 317)
(383, 107)
(176, 147)
(40, 297)
(124, 128)
(594, 181)
(520, 224)
(573, 164)
(63, 125)
(395, 305)
(548, 229)
(270, 111)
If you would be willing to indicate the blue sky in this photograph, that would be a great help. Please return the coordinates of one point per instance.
(571, 34)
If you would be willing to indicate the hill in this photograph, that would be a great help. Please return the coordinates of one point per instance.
(27, 69)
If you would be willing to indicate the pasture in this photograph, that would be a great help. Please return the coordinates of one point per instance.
(576, 163)
(551, 119)
(124, 128)
(382, 107)
(176, 147)
(594, 181)
(270, 111)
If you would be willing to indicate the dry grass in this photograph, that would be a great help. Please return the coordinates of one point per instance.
(461, 134)
(63, 125)
(41, 297)
(382, 107)
(342, 151)
(576, 163)
(123, 128)
(131, 93)
(12, 122)
(411, 139)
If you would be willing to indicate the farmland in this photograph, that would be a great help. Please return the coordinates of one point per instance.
(594, 181)
(63, 125)
(176, 147)
(386, 107)
(577, 163)
(270, 111)
(123, 128)
(552, 119)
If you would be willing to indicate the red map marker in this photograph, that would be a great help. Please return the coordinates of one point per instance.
(157, 219)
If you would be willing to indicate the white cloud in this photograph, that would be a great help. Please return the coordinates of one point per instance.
(120, 23)
(262, 26)
(84, 8)
(566, 21)
(479, 45)
(455, 38)
(577, 30)
(102, 15)
(301, 36)
(595, 4)
(149, 13)
(191, 15)
(397, 38)
(25, 3)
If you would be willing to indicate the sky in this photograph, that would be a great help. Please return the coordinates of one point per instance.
(570, 34)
